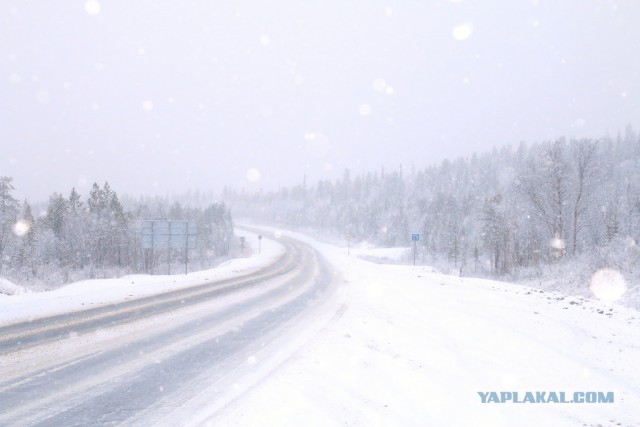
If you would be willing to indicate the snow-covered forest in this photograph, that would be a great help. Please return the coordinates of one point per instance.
(561, 209)
(72, 238)
(512, 211)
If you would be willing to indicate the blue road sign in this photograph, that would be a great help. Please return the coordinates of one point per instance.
(415, 237)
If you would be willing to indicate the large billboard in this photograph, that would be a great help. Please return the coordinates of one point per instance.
(169, 234)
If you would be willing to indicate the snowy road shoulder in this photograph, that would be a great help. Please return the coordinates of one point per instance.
(94, 293)
(411, 347)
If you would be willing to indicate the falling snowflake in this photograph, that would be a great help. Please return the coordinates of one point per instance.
(364, 110)
(462, 31)
(92, 7)
(608, 285)
(253, 175)
(21, 228)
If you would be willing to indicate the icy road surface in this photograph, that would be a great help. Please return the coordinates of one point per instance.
(135, 361)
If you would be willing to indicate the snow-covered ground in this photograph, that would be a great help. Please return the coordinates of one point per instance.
(402, 345)
(9, 288)
(410, 347)
(16, 304)
(380, 255)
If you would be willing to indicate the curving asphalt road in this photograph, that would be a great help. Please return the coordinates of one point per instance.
(131, 362)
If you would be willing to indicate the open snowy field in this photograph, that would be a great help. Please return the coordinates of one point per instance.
(401, 345)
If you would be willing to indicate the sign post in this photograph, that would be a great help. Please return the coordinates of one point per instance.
(259, 240)
(414, 238)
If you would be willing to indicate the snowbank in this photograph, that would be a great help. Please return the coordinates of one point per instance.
(381, 255)
(9, 288)
(93, 293)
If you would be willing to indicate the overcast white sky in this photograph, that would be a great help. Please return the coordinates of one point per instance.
(164, 96)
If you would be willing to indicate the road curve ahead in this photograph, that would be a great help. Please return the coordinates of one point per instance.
(132, 362)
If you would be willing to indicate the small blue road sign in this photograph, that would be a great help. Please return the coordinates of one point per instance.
(415, 237)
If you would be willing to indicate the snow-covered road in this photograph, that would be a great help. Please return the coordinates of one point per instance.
(137, 360)
(381, 345)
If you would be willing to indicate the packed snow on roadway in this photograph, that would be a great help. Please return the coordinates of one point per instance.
(405, 345)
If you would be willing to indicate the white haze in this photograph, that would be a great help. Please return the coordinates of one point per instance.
(160, 96)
